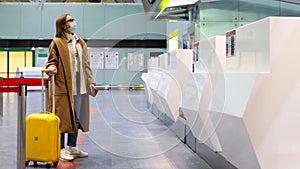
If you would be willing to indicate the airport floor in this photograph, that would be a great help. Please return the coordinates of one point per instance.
(123, 135)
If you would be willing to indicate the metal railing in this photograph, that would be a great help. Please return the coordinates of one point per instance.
(19, 85)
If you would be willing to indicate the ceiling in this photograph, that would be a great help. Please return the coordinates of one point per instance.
(101, 1)
(292, 1)
(172, 3)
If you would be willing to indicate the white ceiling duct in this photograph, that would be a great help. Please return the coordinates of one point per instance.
(174, 3)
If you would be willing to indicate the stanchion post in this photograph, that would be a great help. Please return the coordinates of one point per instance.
(21, 127)
(1, 104)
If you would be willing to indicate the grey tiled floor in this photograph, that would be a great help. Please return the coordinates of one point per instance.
(123, 135)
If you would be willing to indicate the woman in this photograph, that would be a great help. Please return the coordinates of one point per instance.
(74, 81)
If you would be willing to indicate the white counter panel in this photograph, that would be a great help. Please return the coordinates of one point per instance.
(146, 80)
(272, 113)
(193, 91)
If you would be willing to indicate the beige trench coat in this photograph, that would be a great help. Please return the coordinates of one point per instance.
(64, 103)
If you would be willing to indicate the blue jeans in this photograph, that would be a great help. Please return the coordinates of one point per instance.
(72, 137)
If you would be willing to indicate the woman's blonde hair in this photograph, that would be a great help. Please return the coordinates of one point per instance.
(60, 23)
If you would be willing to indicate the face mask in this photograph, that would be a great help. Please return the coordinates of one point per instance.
(73, 26)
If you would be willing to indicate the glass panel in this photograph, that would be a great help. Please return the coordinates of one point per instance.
(243, 23)
(219, 11)
(3, 63)
(209, 29)
(289, 9)
(29, 60)
(16, 59)
(255, 10)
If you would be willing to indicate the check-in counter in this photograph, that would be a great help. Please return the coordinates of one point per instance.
(165, 85)
(226, 111)
(31, 72)
(272, 113)
(198, 93)
(147, 77)
(157, 104)
(256, 105)
(241, 107)
(171, 86)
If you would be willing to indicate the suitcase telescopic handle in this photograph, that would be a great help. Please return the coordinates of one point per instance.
(43, 90)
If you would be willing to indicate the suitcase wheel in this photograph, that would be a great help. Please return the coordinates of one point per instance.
(27, 163)
(55, 164)
(35, 164)
(48, 165)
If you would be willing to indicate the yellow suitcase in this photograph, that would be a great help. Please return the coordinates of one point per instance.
(43, 136)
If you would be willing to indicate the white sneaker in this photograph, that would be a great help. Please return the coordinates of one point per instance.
(76, 153)
(65, 155)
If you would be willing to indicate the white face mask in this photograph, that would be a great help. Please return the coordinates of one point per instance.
(73, 26)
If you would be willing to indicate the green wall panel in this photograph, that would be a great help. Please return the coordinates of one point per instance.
(76, 10)
(134, 8)
(34, 12)
(93, 20)
(156, 30)
(135, 26)
(50, 12)
(114, 22)
(10, 20)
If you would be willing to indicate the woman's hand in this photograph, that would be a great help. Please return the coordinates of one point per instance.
(92, 90)
(52, 70)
